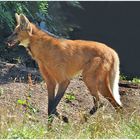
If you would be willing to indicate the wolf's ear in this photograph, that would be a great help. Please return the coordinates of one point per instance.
(17, 18)
(24, 22)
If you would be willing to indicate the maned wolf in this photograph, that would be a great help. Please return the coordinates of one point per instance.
(60, 59)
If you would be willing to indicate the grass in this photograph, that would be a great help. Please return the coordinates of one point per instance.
(1, 91)
(136, 80)
(69, 97)
(103, 124)
(98, 126)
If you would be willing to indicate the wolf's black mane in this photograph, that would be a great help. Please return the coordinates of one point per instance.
(47, 32)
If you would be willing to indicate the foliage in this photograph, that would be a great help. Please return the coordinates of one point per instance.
(21, 102)
(69, 97)
(123, 77)
(29, 107)
(136, 80)
(35, 10)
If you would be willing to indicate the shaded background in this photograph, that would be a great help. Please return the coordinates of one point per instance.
(116, 24)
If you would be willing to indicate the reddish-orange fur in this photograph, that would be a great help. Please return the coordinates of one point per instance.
(60, 59)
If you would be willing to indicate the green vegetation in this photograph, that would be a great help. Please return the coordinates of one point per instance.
(123, 77)
(136, 80)
(101, 126)
(29, 107)
(1, 91)
(35, 10)
(69, 97)
(7, 13)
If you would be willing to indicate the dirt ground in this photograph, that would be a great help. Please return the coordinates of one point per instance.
(15, 85)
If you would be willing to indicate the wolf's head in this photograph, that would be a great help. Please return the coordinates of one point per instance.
(21, 33)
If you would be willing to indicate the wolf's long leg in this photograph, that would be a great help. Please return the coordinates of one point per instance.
(91, 75)
(51, 85)
(61, 90)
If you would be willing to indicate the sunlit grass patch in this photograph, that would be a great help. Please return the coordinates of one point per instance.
(99, 127)
(136, 80)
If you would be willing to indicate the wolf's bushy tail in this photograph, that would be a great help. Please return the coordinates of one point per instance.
(114, 78)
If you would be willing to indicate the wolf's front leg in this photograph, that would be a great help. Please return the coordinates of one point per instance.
(60, 93)
(51, 85)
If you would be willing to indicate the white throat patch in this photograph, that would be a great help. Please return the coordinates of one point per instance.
(25, 43)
